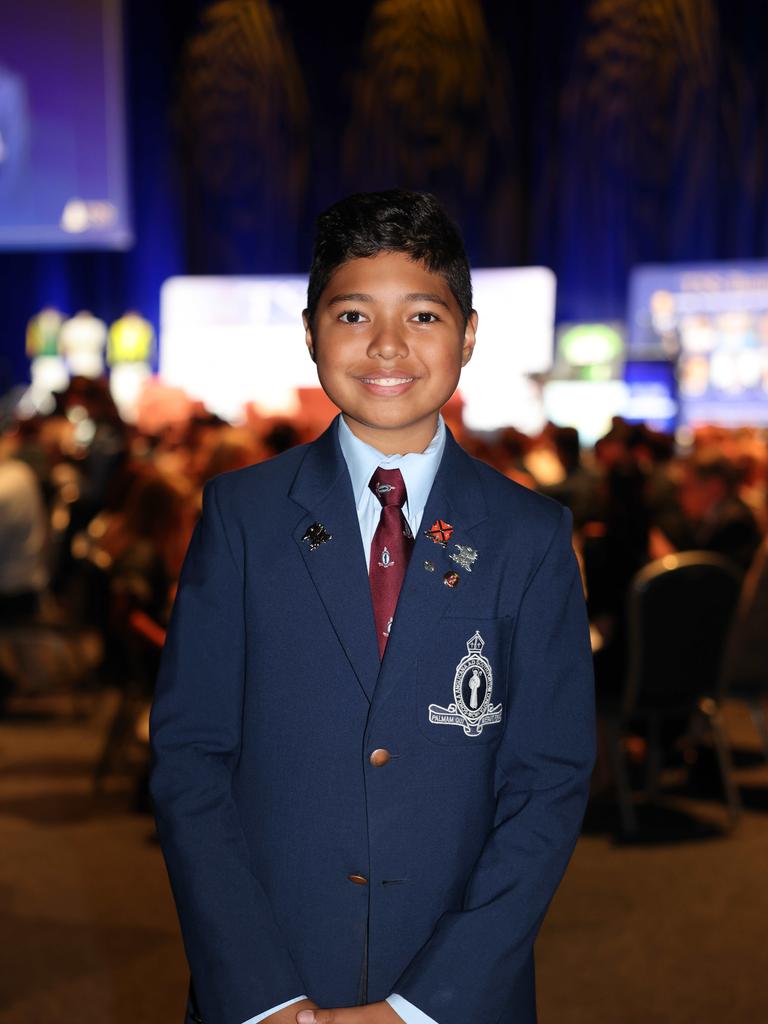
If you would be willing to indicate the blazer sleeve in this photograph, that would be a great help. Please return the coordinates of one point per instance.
(238, 958)
(543, 768)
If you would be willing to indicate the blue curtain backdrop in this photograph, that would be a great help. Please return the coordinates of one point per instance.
(587, 136)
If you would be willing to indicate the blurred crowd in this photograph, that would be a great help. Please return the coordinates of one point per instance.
(96, 515)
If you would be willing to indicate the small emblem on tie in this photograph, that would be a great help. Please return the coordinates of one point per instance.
(387, 561)
(316, 535)
(464, 556)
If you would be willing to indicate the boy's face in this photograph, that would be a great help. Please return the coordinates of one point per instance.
(389, 341)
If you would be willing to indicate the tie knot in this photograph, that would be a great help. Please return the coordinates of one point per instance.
(388, 486)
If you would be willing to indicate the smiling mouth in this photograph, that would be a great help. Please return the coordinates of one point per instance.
(386, 382)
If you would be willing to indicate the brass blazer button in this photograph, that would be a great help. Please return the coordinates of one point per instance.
(358, 879)
(379, 757)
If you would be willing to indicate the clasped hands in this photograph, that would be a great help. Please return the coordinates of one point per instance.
(307, 1012)
(371, 1013)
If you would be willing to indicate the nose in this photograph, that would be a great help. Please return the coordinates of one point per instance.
(388, 342)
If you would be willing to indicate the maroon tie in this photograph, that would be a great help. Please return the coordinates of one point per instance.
(390, 550)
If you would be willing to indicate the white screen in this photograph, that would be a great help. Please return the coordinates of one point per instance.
(231, 340)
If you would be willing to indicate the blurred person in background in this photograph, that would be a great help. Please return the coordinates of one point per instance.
(23, 536)
(718, 519)
(616, 546)
(513, 446)
(280, 437)
(23, 539)
(132, 558)
(233, 448)
(745, 665)
(144, 545)
(578, 489)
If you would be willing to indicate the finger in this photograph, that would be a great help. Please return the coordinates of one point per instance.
(340, 1015)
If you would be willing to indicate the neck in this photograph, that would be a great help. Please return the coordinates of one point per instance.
(396, 440)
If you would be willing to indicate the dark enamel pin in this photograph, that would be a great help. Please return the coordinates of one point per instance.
(316, 535)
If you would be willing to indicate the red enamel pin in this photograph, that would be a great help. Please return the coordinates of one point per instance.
(440, 532)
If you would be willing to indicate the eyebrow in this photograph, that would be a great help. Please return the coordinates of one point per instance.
(426, 297)
(350, 297)
(410, 297)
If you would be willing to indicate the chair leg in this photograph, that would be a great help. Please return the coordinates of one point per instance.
(654, 759)
(760, 718)
(116, 740)
(712, 713)
(619, 764)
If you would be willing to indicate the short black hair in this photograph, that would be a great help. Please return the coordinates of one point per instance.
(367, 223)
(718, 467)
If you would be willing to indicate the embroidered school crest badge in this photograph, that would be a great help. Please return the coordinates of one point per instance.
(472, 687)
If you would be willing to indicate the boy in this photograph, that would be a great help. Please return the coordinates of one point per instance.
(373, 728)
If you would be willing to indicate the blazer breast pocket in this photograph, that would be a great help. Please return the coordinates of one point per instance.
(462, 680)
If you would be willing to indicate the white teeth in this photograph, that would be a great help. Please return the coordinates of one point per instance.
(387, 382)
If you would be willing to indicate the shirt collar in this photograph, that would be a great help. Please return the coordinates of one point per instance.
(418, 468)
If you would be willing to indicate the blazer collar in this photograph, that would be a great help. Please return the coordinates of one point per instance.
(323, 490)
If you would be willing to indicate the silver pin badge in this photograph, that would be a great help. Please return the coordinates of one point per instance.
(429, 566)
(316, 535)
(464, 556)
(384, 488)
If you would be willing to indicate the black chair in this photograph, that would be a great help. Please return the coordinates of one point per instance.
(680, 609)
(745, 670)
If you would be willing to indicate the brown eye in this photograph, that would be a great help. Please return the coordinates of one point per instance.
(351, 316)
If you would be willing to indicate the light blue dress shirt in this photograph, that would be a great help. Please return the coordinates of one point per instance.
(418, 470)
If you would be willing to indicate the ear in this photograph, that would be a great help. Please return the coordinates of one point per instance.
(468, 345)
(308, 335)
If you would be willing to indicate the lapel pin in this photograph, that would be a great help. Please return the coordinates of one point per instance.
(316, 535)
(440, 532)
(429, 566)
(464, 556)
(451, 579)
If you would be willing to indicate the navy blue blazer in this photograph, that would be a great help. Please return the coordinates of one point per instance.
(271, 699)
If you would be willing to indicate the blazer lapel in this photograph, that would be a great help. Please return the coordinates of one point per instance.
(456, 498)
(323, 489)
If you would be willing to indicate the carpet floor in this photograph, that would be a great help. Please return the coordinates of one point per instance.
(671, 928)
